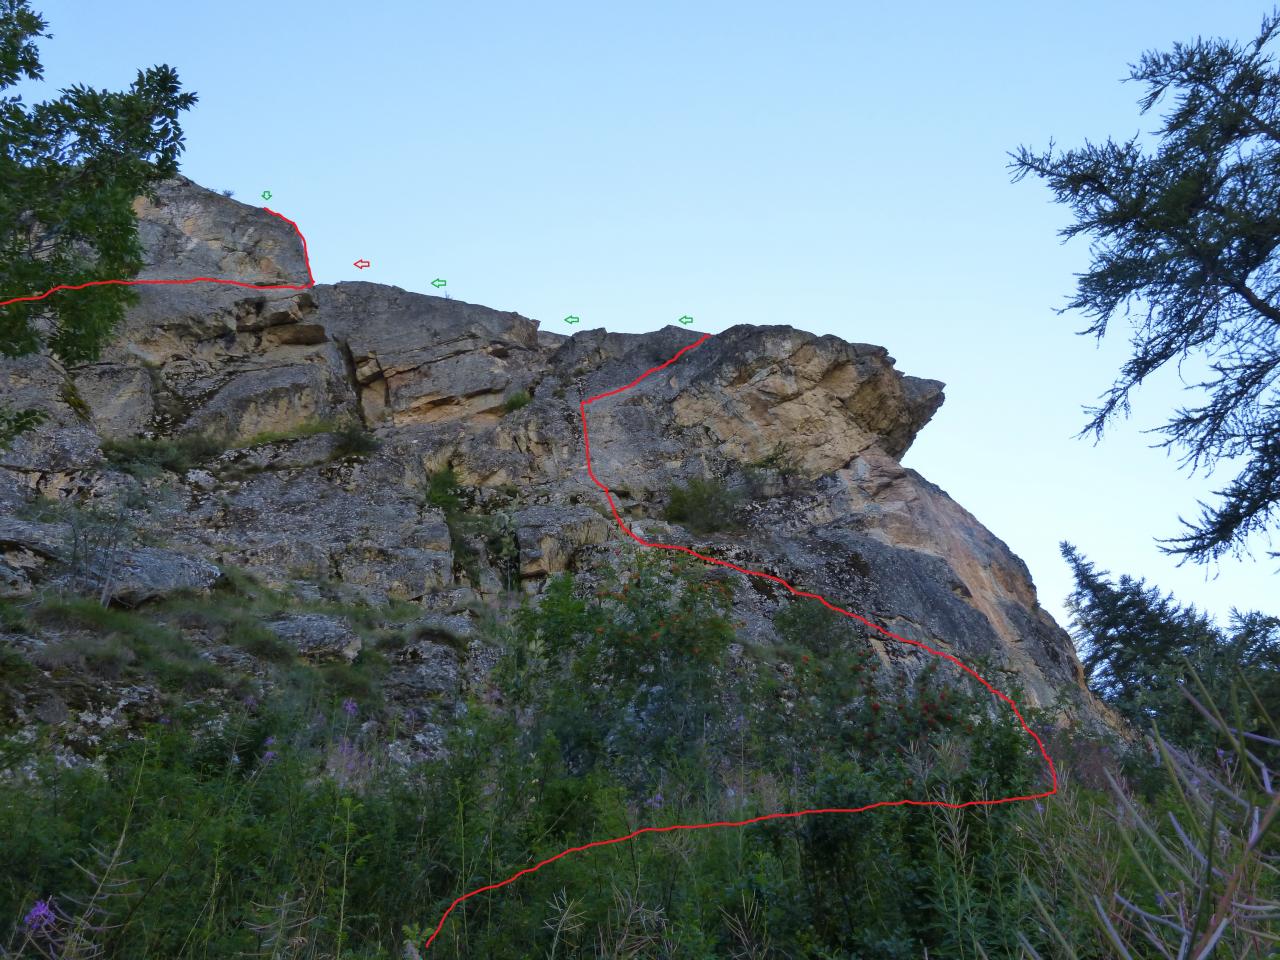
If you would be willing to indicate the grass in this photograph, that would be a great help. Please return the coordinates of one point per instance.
(309, 428)
(442, 490)
(352, 439)
(121, 643)
(516, 401)
(145, 458)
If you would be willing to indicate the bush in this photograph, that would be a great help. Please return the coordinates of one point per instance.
(442, 491)
(353, 440)
(144, 458)
(517, 400)
(704, 506)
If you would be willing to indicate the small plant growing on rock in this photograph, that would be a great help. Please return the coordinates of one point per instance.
(353, 440)
(704, 506)
(442, 491)
(517, 400)
(145, 458)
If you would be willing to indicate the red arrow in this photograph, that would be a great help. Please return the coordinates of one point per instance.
(361, 264)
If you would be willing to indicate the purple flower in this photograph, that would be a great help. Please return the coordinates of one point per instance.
(40, 916)
(164, 720)
(654, 802)
(250, 701)
(269, 756)
(349, 707)
(1039, 807)
(269, 741)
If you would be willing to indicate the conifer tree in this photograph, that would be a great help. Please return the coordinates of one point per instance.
(1139, 646)
(1186, 240)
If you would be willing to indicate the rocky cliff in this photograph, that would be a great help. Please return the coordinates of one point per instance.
(324, 414)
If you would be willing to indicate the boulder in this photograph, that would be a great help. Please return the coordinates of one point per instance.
(318, 637)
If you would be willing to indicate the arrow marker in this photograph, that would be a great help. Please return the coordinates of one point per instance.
(266, 194)
(572, 318)
(438, 283)
(686, 320)
(361, 264)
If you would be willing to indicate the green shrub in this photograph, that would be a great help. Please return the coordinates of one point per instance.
(516, 400)
(614, 708)
(353, 440)
(704, 506)
(144, 457)
(124, 642)
(309, 428)
(807, 623)
(442, 491)
(252, 637)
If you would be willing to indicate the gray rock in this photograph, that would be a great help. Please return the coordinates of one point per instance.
(814, 425)
(135, 575)
(318, 637)
(425, 669)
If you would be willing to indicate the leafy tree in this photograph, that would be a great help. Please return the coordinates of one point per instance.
(1189, 234)
(1139, 646)
(70, 170)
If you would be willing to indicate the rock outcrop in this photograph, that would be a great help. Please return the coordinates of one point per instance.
(811, 429)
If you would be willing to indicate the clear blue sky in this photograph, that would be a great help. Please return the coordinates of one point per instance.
(833, 166)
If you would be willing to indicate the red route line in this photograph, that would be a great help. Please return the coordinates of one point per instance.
(311, 280)
(788, 815)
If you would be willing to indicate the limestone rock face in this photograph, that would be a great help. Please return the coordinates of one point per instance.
(317, 637)
(810, 430)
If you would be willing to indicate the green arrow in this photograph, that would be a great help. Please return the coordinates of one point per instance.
(437, 283)
(686, 320)
(266, 194)
(572, 318)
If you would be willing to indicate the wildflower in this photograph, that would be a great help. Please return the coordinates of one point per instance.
(269, 756)
(269, 741)
(1039, 807)
(251, 702)
(164, 720)
(805, 658)
(39, 916)
(349, 707)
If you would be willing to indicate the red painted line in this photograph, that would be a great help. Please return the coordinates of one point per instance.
(788, 815)
(311, 280)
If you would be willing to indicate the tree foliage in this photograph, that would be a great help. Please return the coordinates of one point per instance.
(70, 169)
(1189, 235)
(1140, 646)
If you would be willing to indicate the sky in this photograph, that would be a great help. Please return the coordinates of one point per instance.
(838, 167)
